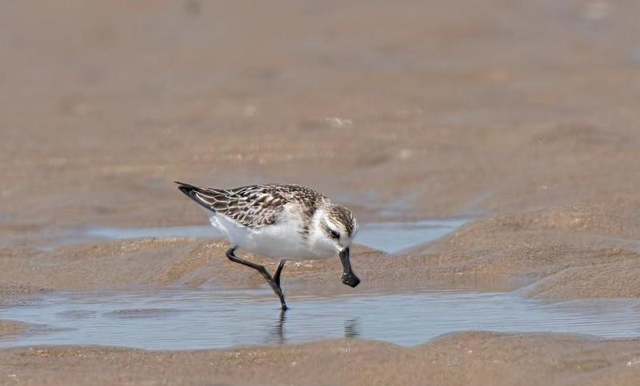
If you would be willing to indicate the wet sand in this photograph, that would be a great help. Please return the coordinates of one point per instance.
(522, 115)
(475, 358)
(8, 328)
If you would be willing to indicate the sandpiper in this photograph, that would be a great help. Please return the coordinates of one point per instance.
(282, 222)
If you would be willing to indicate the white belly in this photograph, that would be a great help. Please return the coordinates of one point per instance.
(281, 242)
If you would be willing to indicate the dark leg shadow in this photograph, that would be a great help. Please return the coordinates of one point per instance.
(351, 328)
(276, 332)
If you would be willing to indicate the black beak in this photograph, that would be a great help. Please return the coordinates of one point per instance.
(348, 277)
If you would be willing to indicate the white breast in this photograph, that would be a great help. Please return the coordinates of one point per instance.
(281, 241)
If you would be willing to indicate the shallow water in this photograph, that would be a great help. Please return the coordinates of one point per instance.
(390, 237)
(216, 318)
(177, 320)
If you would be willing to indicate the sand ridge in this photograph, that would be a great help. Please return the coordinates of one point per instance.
(523, 116)
(475, 358)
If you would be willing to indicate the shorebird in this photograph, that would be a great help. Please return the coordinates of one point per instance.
(282, 222)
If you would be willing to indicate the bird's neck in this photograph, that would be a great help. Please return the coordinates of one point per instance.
(317, 239)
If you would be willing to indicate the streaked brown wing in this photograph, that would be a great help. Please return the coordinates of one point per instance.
(254, 206)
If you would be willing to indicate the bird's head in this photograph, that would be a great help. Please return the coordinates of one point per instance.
(338, 227)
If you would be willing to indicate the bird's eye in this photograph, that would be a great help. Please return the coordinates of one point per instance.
(334, 234)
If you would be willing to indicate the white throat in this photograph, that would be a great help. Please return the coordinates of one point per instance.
(317, 239)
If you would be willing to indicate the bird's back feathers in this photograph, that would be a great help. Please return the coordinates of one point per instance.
(255, 206)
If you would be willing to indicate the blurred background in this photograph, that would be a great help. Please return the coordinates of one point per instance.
(403, 109)
(520, 117)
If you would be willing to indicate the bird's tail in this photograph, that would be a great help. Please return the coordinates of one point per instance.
(206, 197)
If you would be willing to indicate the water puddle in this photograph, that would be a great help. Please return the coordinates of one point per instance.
(390, 237)
(395, 237)
(211, 318)
(177, 320)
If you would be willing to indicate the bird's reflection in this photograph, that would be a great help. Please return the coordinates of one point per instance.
(276, 333)
(351, 328)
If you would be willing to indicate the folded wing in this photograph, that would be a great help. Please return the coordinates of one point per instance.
(252, 206)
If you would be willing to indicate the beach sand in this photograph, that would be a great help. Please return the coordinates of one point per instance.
(522, 117)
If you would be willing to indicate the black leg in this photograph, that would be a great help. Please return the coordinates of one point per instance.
(276, 276)
(263, 271)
